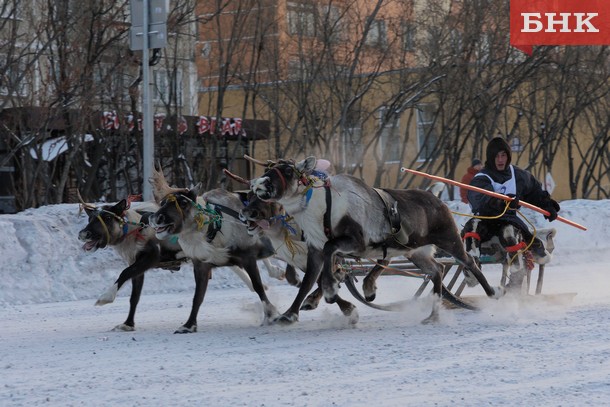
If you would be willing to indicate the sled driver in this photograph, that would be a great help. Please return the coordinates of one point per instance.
(498, 175)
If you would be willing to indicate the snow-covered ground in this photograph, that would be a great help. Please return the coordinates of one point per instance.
(57, 349)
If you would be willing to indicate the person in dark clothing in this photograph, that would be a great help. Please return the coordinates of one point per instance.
(498, 175)
(470, 173)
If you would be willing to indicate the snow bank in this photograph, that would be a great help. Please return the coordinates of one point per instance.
(42, 259)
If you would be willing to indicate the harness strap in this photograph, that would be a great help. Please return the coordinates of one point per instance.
(225, 209)
(516, 248)
(393, 216)
(106, 231)
(473, 235)
(327, 225)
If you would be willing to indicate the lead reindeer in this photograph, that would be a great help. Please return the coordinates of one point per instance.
(211, 235)
(126, 230)
(343, 216)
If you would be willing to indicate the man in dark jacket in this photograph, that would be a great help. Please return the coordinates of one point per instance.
(498, 175)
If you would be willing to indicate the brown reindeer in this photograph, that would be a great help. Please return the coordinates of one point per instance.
(345, 217)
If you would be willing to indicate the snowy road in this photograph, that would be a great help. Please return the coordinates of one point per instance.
(56, 348)
(507, 354)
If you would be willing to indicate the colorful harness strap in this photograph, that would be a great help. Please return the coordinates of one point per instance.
(473, 235)
(516, 248)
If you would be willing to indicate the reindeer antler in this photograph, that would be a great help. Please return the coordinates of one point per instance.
(83, 205)
(259, 162)
(160, 186)
(236, 177)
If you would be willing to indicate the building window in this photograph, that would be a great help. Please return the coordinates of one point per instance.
(297, 70)
(377, 35)
(426, 134)
(389, 136)
(301, 19)
(11, 81)
(206, 49)
(167, 88)
(111, 84)
(332, 24)
(352, 139)
(515, 144)
(408, 36)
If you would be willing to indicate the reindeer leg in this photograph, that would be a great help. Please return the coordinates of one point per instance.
(313, 300)
(202, 272)
(369, 285)
(145, 259)
(292, 276)
(452, 244)
(311, 276)
(328, 278)
(423, 258)
(251, 268)
(136, 290)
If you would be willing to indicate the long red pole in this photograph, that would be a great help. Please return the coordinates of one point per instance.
(491, 193)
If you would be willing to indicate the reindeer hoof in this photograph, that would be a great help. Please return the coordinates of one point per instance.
(286, 319)
(310, 303)
(108, 296)
(432, 319)
(498, 292)
(369, 289)
(308, 306)
(123, 328)
(352, 315)
(186, 330)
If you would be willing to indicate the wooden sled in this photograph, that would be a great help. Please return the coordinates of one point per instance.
(454, 283)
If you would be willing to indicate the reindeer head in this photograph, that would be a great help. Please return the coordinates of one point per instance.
(260, 215)
(177, 205)
(105, 225)
(282, 179)
(176, 210)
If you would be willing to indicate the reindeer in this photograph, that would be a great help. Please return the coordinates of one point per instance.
(126, 230)
(209, 238)
(343, 216)
(270, 219)
(506, 243)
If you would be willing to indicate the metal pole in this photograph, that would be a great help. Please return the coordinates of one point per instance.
(148, 154)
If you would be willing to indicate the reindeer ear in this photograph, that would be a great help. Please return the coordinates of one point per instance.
(88, 210)
(307, 165)
(197, 189)
(120, 207)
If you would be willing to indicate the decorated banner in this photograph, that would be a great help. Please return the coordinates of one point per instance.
(559, 22)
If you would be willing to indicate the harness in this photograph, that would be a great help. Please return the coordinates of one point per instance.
(393, 216)
(215, 226)
(210, 215)
(124, 222)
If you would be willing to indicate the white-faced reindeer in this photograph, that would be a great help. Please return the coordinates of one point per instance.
(211, 235)
(345, 217)
(505, 243)
(127, 231)
(269, 219)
